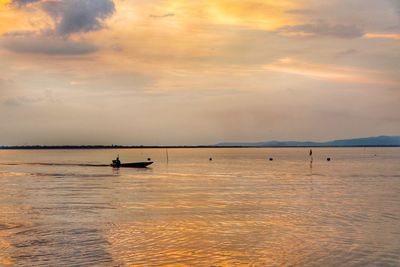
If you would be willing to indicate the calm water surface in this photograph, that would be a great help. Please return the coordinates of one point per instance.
(238, 210)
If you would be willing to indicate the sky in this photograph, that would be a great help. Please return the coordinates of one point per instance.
(175, 72)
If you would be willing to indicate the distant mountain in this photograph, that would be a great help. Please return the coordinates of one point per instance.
(356, 142)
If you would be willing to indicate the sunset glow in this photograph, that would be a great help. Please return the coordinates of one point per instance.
(75, 71)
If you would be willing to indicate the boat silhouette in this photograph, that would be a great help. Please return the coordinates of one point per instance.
(117, 164)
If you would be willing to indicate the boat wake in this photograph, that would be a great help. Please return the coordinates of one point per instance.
(55, 164)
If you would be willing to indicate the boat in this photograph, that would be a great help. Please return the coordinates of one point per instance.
(132, 165)
(117, 164)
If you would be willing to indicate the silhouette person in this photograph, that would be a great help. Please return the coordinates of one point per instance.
(116, 162)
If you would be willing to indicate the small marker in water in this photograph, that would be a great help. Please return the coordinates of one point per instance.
(271, 159)
(328, 159)
(210, 159)
(148, 159)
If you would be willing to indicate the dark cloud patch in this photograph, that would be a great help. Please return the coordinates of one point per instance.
(324, 29)
(37, 44)
(347, 52)
(75, 16)
(69, 16)
(23, 2)
(162, 16)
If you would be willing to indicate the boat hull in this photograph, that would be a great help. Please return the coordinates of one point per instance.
(132, 165)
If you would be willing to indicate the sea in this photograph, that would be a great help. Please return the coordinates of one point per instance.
(245, 207)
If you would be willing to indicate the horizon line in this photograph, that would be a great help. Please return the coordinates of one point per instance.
(77, 147)
(217, 145)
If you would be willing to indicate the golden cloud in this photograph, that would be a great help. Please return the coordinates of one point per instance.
(393, 36)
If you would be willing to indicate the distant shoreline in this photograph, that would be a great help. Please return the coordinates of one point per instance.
(377, 141)
(94, 147)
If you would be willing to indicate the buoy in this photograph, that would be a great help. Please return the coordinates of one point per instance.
(210, 159)
(148, 159)
(328, 159)
(271, 159)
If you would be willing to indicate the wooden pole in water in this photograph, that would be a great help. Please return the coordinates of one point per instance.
(166, 152)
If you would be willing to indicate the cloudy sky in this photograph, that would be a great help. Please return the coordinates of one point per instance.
(174, 72)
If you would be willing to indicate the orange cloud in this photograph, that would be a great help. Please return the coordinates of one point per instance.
(393, 36)
(266, 15)
(13, 19)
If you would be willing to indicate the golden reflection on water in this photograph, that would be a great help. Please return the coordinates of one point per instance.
(222, 243)
(239, 210)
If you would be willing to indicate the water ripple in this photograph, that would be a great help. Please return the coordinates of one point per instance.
(239, 210)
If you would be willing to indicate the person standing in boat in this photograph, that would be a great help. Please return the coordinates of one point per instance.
(116, 162)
